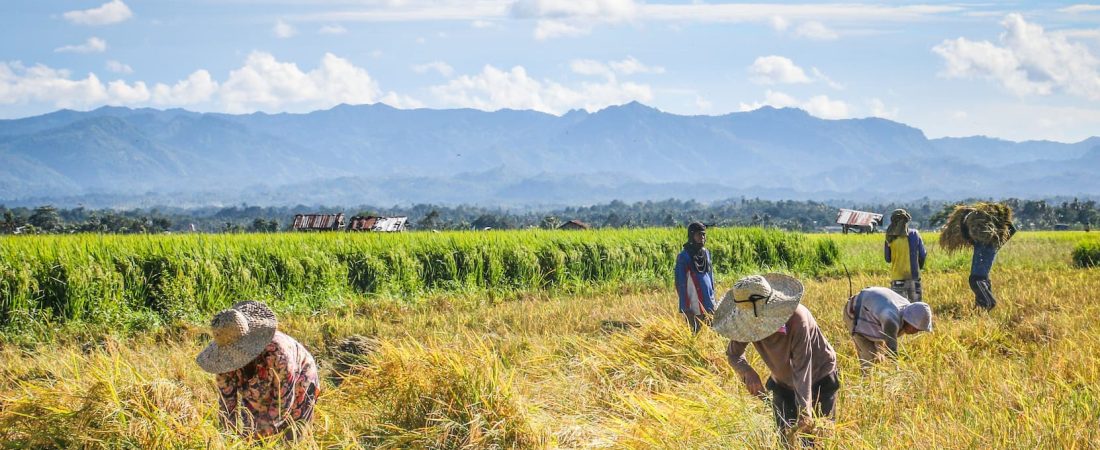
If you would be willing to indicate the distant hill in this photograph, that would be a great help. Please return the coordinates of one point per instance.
(381, 155)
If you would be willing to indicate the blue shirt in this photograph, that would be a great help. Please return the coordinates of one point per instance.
(695, 288)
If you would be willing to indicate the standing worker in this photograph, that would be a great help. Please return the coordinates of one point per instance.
(877, 317)
(906, 256)
(695, 278)
(985, 227)
(765, 311)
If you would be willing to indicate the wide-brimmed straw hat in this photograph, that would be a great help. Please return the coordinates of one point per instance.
(240, 334)
(757, 306)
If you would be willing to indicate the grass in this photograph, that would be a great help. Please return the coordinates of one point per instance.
(1087, 253)
(543, 372)
(140, 282)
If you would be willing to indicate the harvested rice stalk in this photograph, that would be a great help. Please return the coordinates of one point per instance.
(987, 223)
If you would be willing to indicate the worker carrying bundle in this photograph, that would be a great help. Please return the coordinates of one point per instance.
(985, 227)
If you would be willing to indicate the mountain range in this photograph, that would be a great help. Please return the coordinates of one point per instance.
(376, 154)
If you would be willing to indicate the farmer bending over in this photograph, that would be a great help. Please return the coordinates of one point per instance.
(765, 311)
(877, 317)
(268, 381)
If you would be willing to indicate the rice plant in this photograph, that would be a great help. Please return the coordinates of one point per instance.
(109, 279)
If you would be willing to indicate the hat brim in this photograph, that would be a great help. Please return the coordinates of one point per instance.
(740, 325)
(262, 325)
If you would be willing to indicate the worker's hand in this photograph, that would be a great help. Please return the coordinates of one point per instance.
(805, 424)
(753, 384)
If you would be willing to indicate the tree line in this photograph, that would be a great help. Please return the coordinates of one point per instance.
(792, 215)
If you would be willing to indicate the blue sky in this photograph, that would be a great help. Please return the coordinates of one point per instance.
(1015, 70)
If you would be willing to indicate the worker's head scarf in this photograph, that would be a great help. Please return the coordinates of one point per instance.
(899, 224)
(695, 249)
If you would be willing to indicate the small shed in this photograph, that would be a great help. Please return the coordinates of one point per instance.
(861, 221)
(574, 225)
(378, 224)
(318, 222)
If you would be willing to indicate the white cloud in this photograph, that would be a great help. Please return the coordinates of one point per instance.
(773, 99)
(766, 12)
(332, 29)
(437, 66)
(114, 11)
(266, 84)
(92, 45)
(117, 67)
(815, 30)
(824, 78)
(549, 29)
(599, 10)
(703, 104)
(55, 87)
(413, 11)
(571, 18)
(494, 89)
(199, 87)
(1018, 121)
(283, 30)
(879, 109)
(589, 67)
(120, 93)
(819, 105)
(482, 24)
(776, 70)
(1027, 61)
(779, 23)
(262, 83)
(628, 66)
(1082, 8)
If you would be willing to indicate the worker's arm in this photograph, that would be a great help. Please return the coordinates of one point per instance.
(713, 282)
(681, 282)
(921, 251)
(735, 355)
(227, 399)
(890, 328)
(801, 364)
(886, 250)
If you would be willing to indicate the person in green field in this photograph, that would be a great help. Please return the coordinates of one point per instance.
(267, 381)
(765, 311)
(877, 317)
(904, 250)
(695, 278)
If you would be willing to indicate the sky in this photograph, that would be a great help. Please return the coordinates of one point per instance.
(1017, 70)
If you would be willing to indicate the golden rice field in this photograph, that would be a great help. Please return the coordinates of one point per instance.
(547, 371)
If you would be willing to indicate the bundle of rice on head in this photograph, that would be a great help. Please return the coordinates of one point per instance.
(987, 223)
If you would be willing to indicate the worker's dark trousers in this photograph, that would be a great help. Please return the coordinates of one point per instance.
(785, 407)
(980, 266)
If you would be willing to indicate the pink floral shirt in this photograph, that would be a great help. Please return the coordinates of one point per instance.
(282, 390)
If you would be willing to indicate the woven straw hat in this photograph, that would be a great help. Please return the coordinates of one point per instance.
(757, 306)
(240, 334)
